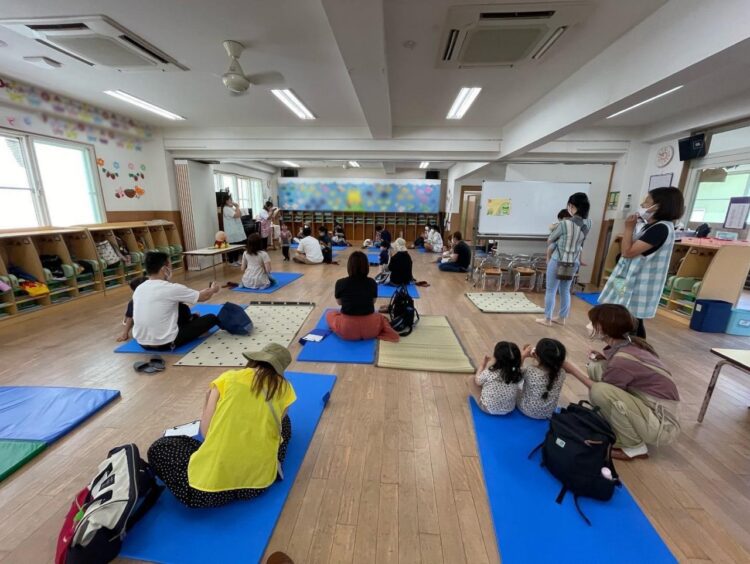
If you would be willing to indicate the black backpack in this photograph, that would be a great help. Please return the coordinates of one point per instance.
(122, 491)
(404, 315)
(578, 445)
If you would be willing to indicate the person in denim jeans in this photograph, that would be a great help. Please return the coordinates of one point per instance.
(569, 236)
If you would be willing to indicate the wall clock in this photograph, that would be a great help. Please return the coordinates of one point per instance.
(664, 155)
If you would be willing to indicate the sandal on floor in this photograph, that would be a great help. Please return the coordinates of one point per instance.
(230, 285)
(158, 363)
(145, 367)
(422, 284)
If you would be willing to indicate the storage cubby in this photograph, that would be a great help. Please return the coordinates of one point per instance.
(79, 272)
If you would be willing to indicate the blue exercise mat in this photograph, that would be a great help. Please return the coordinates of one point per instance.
(171, 533)
(387, 291)
(133, 347)
(589, 297)
(421, 250)
(373, 258)
(282, 279)
(335, 349)
(41, 413)
(522, 498)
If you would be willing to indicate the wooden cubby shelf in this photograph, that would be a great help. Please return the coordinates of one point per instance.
(359, 226)
(27, 251)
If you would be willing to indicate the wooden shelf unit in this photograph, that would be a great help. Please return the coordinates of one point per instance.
(721, 267)
(24, 249)
(359, 226)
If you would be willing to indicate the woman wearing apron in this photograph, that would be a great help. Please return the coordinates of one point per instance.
(638, 279)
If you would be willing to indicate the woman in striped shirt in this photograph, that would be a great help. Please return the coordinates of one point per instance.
(568, 238)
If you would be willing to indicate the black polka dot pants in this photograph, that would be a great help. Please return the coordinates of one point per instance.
(169, 457)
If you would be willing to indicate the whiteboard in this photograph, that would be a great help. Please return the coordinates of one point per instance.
(523, 208)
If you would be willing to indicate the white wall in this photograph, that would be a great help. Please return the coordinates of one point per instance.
(159, 195)
(203, 203)
(596, 174)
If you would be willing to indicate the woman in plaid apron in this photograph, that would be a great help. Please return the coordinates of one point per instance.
(638, 279)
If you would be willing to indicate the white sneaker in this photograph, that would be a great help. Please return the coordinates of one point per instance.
(543, 321)
(235, 264)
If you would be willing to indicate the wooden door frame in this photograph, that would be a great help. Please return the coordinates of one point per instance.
(464, 189)
(601, 250)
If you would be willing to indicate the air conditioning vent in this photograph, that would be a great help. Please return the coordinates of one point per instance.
(506, 34)
(542, 15)
(96, 41)
(59, 27)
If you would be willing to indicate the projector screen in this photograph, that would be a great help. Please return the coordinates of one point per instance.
(523, 208)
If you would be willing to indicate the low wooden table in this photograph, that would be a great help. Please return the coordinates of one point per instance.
(211, 252)
(739, 358)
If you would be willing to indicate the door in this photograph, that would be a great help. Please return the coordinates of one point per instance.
(469, 212)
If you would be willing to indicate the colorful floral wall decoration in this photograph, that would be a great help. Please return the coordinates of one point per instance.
(413, 196)
(22, 94)
(112, 174)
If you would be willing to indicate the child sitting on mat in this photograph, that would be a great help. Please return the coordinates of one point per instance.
(246, 429)
(542, 380)
(127, 321)
(256, 265)
(495, 388)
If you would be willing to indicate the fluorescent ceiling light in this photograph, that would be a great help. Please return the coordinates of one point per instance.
(290, 163)
(550, 42)
(646, 101)
(463, 102)
(125, 97)
(291, 101)
(354, 164)
(424, 164)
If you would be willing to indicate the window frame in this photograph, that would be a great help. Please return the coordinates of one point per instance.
(234, 190)
(41, 209)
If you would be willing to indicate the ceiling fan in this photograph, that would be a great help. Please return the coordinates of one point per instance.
(235, 80)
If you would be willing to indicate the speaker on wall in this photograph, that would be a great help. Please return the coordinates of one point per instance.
(432, 175)
(289, 172)
(692, 147)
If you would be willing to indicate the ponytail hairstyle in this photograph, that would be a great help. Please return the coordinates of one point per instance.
(616, 322)
(550, 354)
(507, 362)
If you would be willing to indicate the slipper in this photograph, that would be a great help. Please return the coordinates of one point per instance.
(157, 362)
(422, 284)
(144, 366)
(230, 285)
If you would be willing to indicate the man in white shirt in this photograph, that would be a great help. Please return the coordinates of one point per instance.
(308, 251)
(161, 314)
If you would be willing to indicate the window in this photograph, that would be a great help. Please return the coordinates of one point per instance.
(64, 192)
(715, 187)
(247, 192)
(68, 185)
(17, 198)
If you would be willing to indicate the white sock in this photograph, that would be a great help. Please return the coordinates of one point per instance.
(632, 452)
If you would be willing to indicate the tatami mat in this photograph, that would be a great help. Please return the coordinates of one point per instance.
(273, 322)
(433, 346)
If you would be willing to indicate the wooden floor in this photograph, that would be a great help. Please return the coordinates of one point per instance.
(392, 474)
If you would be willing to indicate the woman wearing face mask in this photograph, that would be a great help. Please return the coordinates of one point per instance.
(568, 238)
(638, 279)
(629, 383)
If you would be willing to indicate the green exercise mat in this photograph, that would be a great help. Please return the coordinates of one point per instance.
(14, 454)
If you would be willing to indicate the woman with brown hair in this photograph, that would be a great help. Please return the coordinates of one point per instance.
(629, 383)
(356, 294)
(256, 265)
(246, 430)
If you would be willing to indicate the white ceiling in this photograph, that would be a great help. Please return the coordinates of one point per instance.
(377, 101)
(711, 88)
(398, 165)
(295, 39)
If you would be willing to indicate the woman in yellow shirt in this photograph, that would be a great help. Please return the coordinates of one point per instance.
(246, 430)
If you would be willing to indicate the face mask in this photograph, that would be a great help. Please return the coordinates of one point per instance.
(646, 213)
